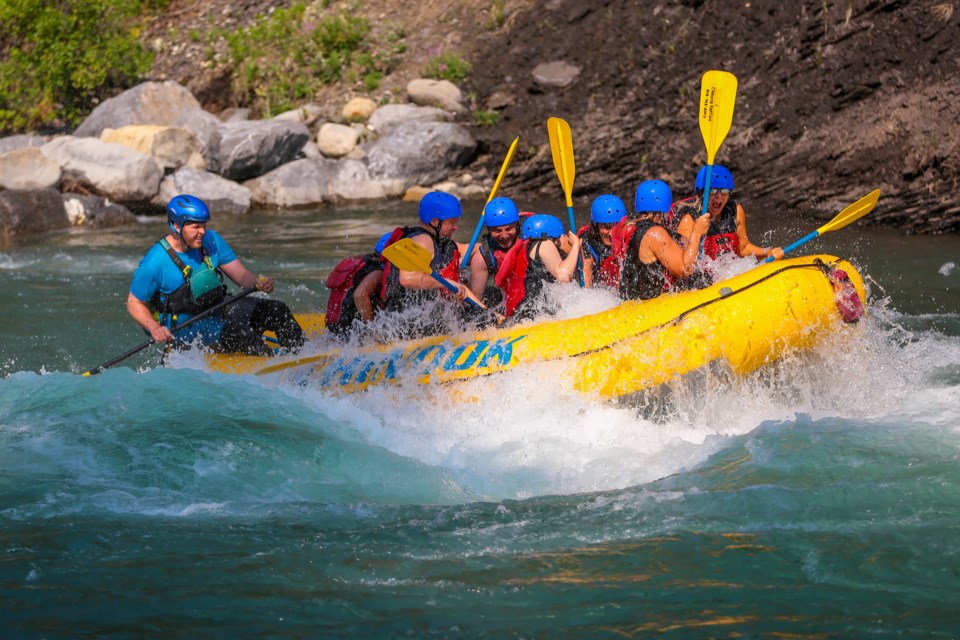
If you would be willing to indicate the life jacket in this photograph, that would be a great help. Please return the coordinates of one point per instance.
(202, 288)
(605, 269)
(638, 280)
(520, 278)
(493, 256)
(446, 262)
(721, 237)
(342, 281)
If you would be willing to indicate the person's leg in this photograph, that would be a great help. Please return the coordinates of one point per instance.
(273, 315)
(239, 334)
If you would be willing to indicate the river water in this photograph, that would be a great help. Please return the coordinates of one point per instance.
(820, 497)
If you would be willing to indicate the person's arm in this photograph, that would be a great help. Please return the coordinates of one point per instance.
(479, 273)
(685, 228)
(363, 294)
(245, 278)
(747, 248)
(141, 313)
(587, 270)
(563, 269)
(680, 261)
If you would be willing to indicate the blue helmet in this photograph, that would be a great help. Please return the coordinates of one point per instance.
(653, 195)
(540, 227)
(607, 209)
(186, 208)
(501, 211)
(382, 242)
(438, 205)
(720, 178)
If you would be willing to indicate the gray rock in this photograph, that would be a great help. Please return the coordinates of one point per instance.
(112, 170)
(306, 115)
(205, 127)
(420, 153)
(97, 212)
(21, 141)
(350, 180)
(26, 212)
(220, 194)
(253, 148)
(555, 74)
(389, 116)
(146, 103)
(435, 93)
(301, 183)
(27, 169)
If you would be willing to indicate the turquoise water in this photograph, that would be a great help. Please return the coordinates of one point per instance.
(820, 497)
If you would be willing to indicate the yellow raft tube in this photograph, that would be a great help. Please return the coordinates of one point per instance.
(745, 322)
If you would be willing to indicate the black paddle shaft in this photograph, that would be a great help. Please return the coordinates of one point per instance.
(123, 356)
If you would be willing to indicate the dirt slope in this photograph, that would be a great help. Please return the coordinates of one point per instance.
(835, 98)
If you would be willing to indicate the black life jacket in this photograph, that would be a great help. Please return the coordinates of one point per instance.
(202, 288)
(446, 262)
(638, 280)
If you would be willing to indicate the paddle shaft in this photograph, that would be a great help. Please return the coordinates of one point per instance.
(851, 213)
(805, 239)
(203, 314)
(493, 194)
(439, 278)
(706, 201)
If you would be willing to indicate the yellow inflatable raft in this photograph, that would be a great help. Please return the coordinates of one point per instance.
(743, 322)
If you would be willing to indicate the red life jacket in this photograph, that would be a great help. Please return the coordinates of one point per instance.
(721, 237)
(512, 274)
(344, 278)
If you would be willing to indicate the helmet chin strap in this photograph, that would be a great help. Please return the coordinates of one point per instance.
(178, 233)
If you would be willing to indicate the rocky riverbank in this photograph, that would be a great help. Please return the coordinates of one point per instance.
(834, 100)
(139, 149)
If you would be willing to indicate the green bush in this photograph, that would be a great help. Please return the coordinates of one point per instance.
(447, 66)
(57, 58)
(486, 118)
(286, 57)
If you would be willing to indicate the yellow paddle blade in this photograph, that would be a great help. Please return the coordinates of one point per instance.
(407, 255)
(512, 151)
(852, 213)
(718, 92)
(561, 145)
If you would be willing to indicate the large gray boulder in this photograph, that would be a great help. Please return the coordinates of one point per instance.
(205, 128)
(351, 180)
(25, 212)
(314, 181)
(220, 194)
(420, 153)
(250, 149)
(27, 168)
(146, 103)
(301, 183)
(108, 169)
